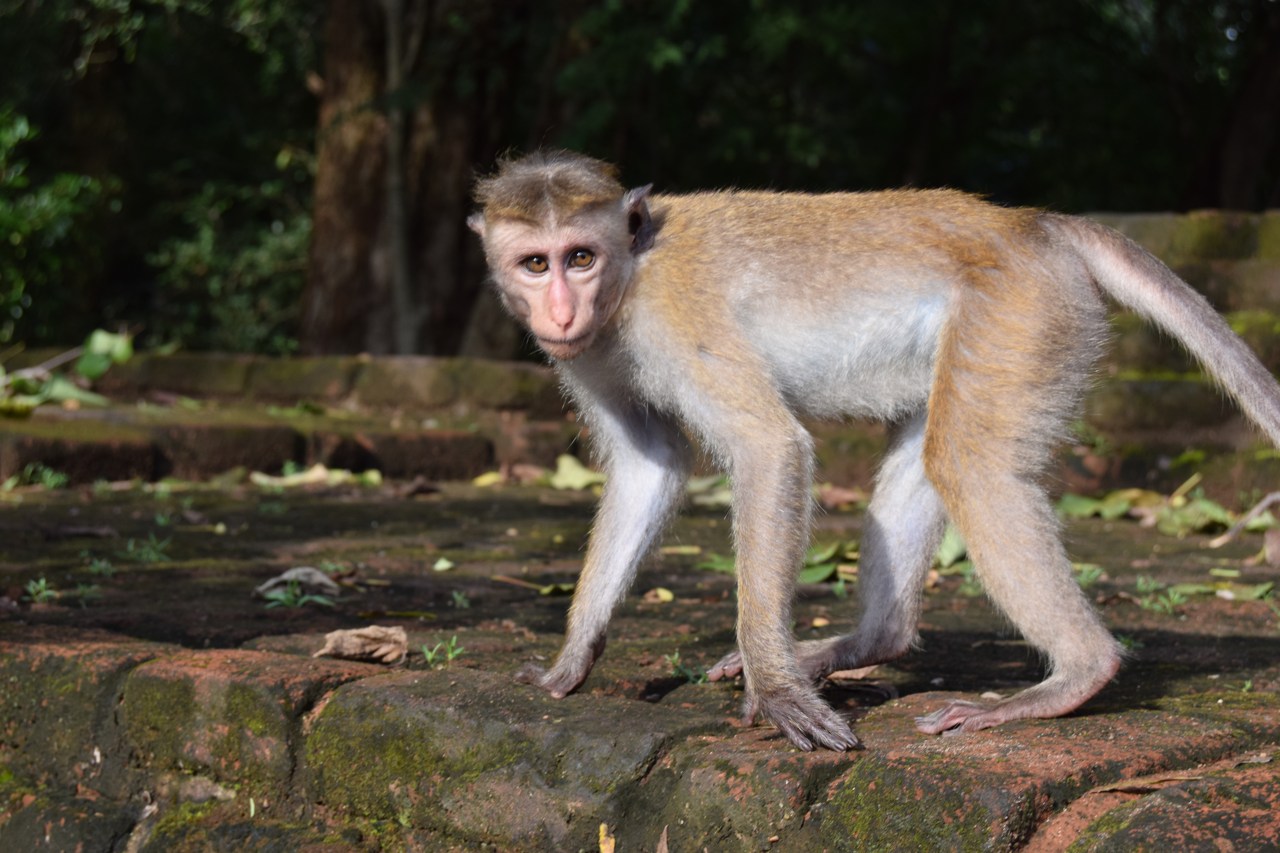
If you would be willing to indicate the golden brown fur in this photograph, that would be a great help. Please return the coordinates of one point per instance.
(729, 316)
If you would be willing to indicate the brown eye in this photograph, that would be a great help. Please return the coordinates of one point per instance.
(535, 264)
(581, 258)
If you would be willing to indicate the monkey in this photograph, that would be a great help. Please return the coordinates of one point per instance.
(722, 319)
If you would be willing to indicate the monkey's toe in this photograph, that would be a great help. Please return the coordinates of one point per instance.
(957, 716)
(805, 719)
(728, 666)
(559, 685)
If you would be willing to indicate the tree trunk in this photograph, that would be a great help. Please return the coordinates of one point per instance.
(393, 267)
(344, 304)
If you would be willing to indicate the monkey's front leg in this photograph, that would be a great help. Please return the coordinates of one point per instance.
(771, 526)
(646, 462)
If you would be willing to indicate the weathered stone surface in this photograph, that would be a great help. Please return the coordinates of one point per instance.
(462, 752)
(231, 714)
(192, 452)
(62, 824)
(412, 381)
(57, 699)
(83, 450)
(321, 379)
(434, 454)
(197, 374)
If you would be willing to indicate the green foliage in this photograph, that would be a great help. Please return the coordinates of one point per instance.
(40, 244)
(36, 474)
(228, 283)
(23, 390)
(691, 674)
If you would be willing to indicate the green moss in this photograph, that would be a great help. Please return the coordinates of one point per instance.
(923, 804)
(248, 708)
(175, 821)
(1102, 829)
(153, 710)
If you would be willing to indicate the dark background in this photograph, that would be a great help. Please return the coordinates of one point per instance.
(282, 176)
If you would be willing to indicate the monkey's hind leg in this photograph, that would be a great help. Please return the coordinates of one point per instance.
(983, 457)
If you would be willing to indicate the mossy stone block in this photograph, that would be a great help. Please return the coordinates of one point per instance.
(200, 374)
(476, 758)
(1181, 238)
(85, 451)
(195, 451)
(231, 714)
(57, 698)
(434, 454)
(412, 382)
(325, 379)
(508, 385)
(1269, 236)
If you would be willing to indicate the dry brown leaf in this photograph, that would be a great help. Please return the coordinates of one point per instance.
(373, 643)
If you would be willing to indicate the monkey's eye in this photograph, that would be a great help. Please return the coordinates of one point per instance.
(535, 264)
(581, 258)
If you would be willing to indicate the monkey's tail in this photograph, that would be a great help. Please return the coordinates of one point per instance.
(1139, 281)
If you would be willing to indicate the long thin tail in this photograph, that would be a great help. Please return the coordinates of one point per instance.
(1139, 281)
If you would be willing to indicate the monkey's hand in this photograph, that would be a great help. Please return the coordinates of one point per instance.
(802, 716)
(558, 681)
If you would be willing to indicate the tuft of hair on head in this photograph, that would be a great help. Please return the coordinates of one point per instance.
(546, 185)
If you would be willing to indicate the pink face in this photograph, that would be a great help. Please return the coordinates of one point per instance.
(553, 279)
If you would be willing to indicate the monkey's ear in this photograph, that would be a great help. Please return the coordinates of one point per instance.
(639, 222)
(476, 223)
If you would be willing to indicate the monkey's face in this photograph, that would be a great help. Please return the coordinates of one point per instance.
(561, 281)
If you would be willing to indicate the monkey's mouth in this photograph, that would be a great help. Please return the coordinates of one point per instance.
(565, 348)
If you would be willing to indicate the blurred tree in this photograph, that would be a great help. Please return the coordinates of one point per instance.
(195, 122)
(415, 94)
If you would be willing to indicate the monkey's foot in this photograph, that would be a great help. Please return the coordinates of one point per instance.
(803, 717)
(555, 681)
(1053, 697)
(817, 660)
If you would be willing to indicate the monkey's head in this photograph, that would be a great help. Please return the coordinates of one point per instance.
(561, 237)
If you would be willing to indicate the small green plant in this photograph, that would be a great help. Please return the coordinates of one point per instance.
(691, 674)
(1148, 585)
(99, 566)
(443, 654)
(1129, 643)
(36, 474)
(460, 600)
(330, 567)
(150, 550)
(87, 592)
(1088, 574)
(272, 508)
(292, 595)
(1157, 597)
(163, 519)
(840, 588)
(40, 591)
